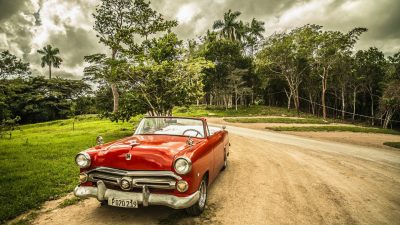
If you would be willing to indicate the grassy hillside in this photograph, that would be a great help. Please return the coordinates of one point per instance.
(37, 164)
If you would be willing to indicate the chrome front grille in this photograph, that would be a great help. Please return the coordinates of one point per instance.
(139, 179)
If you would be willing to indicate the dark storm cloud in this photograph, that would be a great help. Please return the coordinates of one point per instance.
(10, 7)
(74, 44)
(15, 24)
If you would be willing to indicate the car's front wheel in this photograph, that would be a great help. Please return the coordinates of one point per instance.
(200, 205)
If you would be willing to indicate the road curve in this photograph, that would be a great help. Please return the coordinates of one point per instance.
(275, 178)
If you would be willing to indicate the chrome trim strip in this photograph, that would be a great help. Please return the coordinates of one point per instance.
(129, 173)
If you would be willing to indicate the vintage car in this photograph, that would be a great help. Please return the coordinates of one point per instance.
(168, 161)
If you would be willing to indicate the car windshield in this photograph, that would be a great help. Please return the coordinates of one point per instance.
(171, 126)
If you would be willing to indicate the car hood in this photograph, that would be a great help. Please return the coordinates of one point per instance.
(147, 152)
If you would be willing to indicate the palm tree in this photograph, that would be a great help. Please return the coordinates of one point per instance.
(255, 33)
(257, 28)
(50, 57)
(229, 27)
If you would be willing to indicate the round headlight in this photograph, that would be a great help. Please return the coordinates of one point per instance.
(83, 160)
(182, 165)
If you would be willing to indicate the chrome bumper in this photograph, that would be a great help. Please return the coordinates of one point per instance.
(145, 198)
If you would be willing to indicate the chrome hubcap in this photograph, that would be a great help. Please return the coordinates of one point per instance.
(203, 194)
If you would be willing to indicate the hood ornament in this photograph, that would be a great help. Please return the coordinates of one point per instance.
(190, 141)
(128, 156)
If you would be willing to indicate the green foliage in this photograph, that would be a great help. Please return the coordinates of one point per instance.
(37, 99)
(277, 120)
(117, 22)
(218, 111)
(167, 80)
(392, 144)
(336, 128)
(9, 125)
(38, 163)
(12, 67)
(229, 27)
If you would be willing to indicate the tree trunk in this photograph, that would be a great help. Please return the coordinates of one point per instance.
(311, 103)
(324, 82)
(49, 72)
(289, 97)
(372, 109)
(236, 100)
(114, 88)
(115, 97)
(343, 102)
(388, 117)
(354, 102)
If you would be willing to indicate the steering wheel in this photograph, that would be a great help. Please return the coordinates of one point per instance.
(197, 132)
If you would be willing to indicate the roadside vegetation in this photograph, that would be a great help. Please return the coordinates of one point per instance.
(37, 164)
(69, 201)
(277, 120)
(215, 111)
(392, 144)
(337, 129)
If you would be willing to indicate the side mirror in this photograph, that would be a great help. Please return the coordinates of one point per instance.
(223, 127)
(99, 140)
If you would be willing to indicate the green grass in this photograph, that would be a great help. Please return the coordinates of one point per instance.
(392, 144)
(336, 128)
(203, 111)
(27, 220)
(69, 201)
(277, 120)
(37, 164)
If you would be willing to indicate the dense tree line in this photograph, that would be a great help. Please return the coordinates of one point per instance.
(148, 69)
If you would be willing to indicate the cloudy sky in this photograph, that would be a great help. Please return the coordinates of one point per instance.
(27, 25)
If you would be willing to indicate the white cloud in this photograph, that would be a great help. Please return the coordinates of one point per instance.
(187, 12)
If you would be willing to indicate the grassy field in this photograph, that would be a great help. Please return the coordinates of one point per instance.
(336, 128)
(202, 111)
(37, 164)
(393, 144)
(277, 120)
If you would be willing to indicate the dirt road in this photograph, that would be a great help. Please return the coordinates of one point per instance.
(277, 178)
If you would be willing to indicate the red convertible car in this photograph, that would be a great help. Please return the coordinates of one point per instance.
(168, 161)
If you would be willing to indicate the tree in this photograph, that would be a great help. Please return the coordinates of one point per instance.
(229, 27)
(279, 55)
(50, 57)
(227, 56)
(390, 101)
(164, 78)
(117, 22)
(255, 34)
(371, 66)
(331, 44)
(343, 71)
(11, 66)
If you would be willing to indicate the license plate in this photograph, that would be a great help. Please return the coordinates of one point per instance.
(124, 203)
